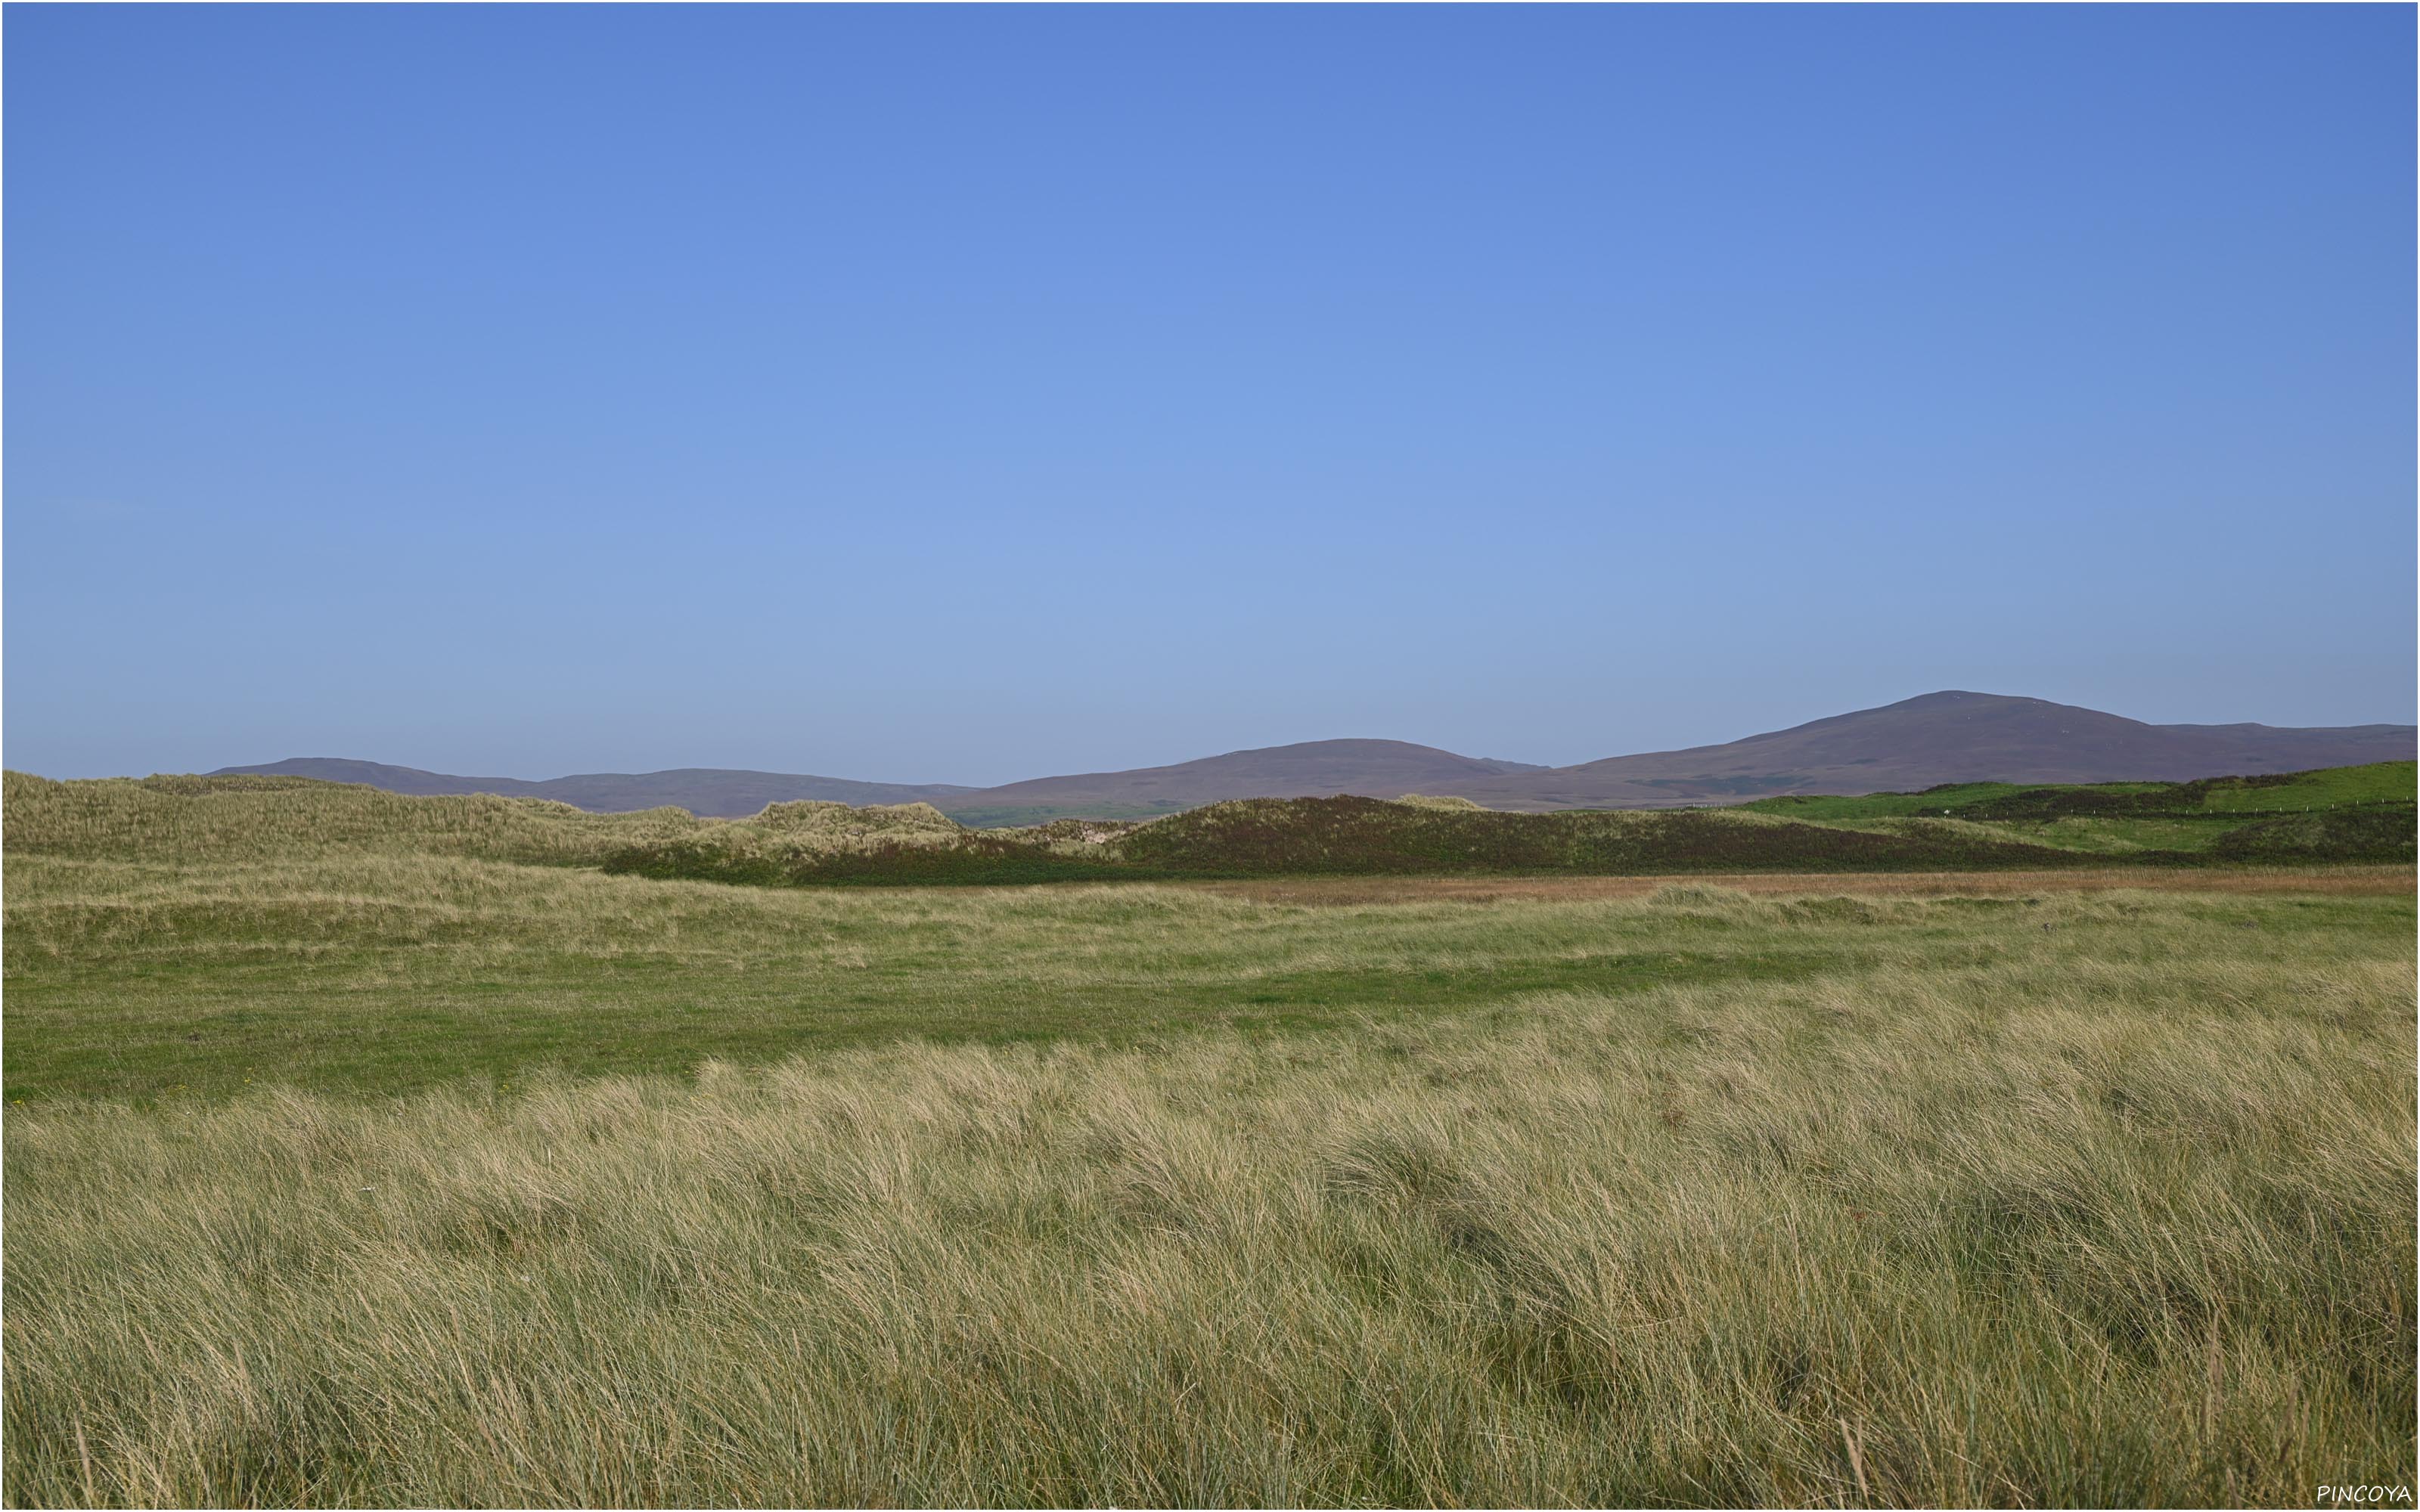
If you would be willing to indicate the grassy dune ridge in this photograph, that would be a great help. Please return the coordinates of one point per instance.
(219, 820)
(224, 819)
(2338, 813)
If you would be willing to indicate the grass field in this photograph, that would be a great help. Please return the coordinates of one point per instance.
(378, 1150)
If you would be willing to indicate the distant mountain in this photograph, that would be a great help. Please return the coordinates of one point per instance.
(1318, 768)
(700, 789)
(1313, 769)
(1944, 737)
(1905, 747)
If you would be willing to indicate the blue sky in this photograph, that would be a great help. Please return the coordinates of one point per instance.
(963, 394)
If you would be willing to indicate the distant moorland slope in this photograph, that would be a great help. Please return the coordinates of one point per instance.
(1919, 742)
(1944, 737)
(700, 789)
(1313, 769)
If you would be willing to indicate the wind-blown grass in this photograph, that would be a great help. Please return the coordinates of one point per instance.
(383, 1151)
(2109, 1226)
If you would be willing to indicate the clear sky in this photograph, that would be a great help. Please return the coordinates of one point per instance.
(964, 395)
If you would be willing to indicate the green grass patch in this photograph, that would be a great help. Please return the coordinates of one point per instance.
(1687, 1200)
(368, 974)
(2181, 822)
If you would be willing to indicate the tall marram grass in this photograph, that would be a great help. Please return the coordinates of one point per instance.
(2047, 1227)
(218, 821)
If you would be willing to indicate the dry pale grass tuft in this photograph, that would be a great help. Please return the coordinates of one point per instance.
(220, 822)
(2050, 1226)
(841, 823)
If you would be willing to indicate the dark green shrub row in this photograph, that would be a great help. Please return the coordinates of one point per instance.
(1349, 836)
(2186, 800)
(978, 859)
(2342, 835)
(1363, 835)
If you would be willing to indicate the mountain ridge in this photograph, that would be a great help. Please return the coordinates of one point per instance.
(722, 790)
(1954, 735)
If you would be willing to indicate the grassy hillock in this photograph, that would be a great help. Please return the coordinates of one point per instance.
(234, 819)
(1026, 815)
(2380, 784)
(222, 819)
(2384, 831)
(1936, 802)
(2337, 813)
(1264, 836)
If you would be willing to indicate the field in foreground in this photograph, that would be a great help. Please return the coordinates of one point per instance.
(369, 1158)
